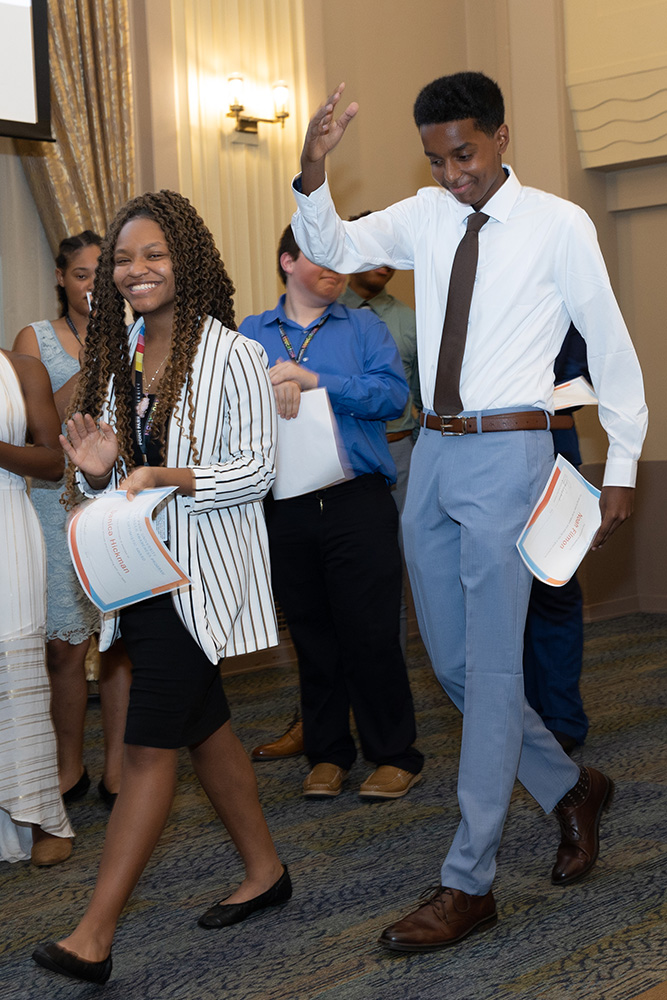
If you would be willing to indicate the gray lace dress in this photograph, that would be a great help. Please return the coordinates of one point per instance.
(70, 615)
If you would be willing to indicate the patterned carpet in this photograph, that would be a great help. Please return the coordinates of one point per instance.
(357, 866)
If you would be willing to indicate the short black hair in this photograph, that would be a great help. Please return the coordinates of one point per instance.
(459, 96)
(287, 245)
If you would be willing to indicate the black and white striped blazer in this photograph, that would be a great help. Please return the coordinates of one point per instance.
(218, 535)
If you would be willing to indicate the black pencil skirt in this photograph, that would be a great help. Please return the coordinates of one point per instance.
(176, 697)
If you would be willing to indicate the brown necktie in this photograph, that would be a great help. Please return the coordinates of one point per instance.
(447, 400)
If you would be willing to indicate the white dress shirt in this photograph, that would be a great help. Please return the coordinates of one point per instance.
(539, 268)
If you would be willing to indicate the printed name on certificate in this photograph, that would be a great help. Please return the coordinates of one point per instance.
(116, 551)
(559, 531)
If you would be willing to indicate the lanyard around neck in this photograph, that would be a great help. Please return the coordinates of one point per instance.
(307, 340)
(142, 402)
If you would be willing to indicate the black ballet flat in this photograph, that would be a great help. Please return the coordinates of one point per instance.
(51, 956)
(77, 791)
(225, 914)
(107, 797)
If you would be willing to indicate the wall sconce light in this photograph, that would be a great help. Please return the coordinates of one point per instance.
(248, 123)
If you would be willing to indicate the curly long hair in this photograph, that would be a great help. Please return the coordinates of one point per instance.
(202, 287)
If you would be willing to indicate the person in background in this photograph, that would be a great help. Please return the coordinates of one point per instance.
(179, 400)
(71, 617)
(336, 564)
(553, 645)
(367, 289)
(33, 821)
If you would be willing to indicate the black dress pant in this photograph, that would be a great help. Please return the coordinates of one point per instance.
(336, 571)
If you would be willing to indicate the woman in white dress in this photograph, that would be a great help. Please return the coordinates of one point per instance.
(33, 821)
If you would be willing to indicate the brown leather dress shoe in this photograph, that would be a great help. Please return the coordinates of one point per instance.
(324, 781)
(290, 744)
(387, 782)
(445, 918)
(580, 829)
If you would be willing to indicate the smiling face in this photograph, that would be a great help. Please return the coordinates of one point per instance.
(77, 278)
(143, 270)
(466, 161)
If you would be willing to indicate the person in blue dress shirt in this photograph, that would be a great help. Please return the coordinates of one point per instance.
(336, 564)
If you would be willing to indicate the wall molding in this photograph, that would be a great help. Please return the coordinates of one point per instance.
(616, 76)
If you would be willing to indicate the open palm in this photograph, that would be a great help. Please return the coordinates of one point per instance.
(324, 131)
(93, 449)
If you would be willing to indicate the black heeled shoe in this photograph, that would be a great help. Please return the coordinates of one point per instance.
(107, 797)
(77, 791)
(51, 956)
(225, 914)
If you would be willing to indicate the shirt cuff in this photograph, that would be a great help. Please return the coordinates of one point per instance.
(302, 198)
(620, 472)
(90, 491)
(205, 488)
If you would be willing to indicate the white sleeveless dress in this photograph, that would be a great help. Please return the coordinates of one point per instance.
(29, 791)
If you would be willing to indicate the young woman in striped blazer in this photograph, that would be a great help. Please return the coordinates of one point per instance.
(179, 400)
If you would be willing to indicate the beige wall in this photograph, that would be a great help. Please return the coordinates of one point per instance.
(184, 52)
(617, 79)
(381, 159)
(642, 245)
(27, 279)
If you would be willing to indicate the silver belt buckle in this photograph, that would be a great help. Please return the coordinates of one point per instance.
(446, 427)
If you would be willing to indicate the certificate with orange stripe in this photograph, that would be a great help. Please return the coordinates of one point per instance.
(559, 532)
(116, 551)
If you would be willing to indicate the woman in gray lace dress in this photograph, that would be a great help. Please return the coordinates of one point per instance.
(71, 618)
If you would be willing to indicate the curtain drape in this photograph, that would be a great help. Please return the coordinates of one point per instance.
(80, 180)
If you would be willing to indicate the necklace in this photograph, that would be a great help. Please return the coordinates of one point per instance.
(73, 328)
(147, 385)
(142, 400)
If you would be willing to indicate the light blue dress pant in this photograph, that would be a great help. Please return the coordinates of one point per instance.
(468, 500)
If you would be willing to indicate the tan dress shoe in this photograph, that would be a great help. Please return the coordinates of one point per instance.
(49, 850)
(580, 828)
(445, 918)
(324, 781)
(290, 744)
(388, 782)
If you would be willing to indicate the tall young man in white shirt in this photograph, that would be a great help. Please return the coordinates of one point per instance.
(470, 491)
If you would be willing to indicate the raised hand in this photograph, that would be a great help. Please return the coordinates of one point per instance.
(323, 134)
(93, 449)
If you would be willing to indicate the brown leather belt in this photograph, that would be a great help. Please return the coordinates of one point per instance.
(523, 420)
(397, 435)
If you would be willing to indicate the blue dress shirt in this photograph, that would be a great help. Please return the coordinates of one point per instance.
(357, 362)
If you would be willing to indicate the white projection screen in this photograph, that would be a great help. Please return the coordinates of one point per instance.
(24, 70)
